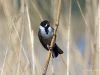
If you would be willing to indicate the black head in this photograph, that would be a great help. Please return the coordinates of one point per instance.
(45, 23)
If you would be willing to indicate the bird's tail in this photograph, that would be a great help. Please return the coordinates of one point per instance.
(56, 51)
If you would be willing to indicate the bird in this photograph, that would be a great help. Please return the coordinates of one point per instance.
(45, 35)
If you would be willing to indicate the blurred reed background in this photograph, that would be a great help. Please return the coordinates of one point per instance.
(78, 36)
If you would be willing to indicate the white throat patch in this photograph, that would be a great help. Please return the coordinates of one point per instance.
(46, 25)
(43, 33)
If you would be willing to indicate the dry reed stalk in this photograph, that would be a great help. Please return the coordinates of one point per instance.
(52, 64)
(36, 9)
(14, 28)
(99, 37)
(11, 43)
(68, 48)
(4, 62)
(64, 62)
(41, 18)
(5, 58)
(53, 39)
(68, 39)
(96, 57)
(31, 40)
(19, 56)
(18, 36)
(90, 40)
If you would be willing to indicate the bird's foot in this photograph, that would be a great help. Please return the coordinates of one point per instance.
(49, 47)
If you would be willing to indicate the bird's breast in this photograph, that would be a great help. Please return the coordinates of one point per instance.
(45, 35)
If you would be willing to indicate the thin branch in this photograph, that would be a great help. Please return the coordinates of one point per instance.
(19, 56)
(62, 58)
(54, 38)
(4, 62)
(82, 13)
(5, 56)
(18, 36)
(36, 9)
(91, 39)
(47, 63)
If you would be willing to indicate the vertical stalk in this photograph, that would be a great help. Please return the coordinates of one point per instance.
(54, 37)
(98, 43)
(31, 40)
(68, 39)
